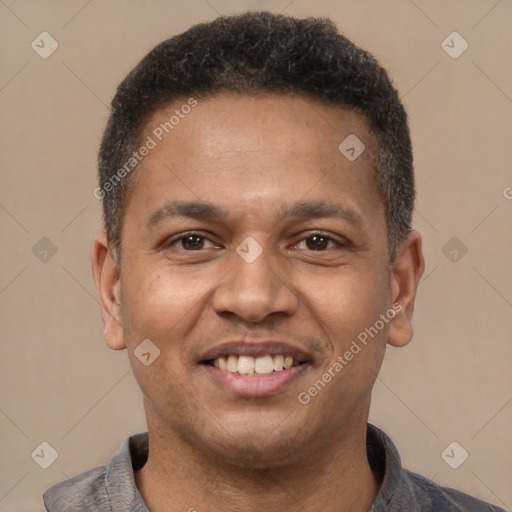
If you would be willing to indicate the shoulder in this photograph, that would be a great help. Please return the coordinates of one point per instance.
(84, 492)
(402, 490)
(435, 497)
(104, 488)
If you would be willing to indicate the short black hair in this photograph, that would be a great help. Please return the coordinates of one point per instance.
(252, 53)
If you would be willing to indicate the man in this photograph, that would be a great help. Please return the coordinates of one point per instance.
(257, 184)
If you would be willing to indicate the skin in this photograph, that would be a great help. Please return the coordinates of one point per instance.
(255, 157)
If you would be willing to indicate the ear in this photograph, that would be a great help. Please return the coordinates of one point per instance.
(406, 273)
(108, 285)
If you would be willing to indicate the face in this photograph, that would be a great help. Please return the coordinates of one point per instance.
(249, 236)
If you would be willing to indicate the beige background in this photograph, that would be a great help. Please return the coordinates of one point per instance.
(60, 384)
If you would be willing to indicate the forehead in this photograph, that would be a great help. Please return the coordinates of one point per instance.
(230, 122)
(239, 150)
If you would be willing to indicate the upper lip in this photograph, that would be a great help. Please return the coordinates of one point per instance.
(255, 348)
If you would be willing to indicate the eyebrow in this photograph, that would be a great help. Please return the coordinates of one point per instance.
(207, 211)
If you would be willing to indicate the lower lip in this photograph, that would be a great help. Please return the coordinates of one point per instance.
(256, 386)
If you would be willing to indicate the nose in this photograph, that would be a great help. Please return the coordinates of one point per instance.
(253, 290)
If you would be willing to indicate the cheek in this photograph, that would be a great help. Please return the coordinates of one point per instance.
(347, 311)
(155, 303)
(347, 303)
(160, 306)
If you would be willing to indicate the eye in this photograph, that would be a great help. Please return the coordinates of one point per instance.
(189, 242)
(319, 242)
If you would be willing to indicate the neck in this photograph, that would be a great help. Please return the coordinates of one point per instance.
(335, 478)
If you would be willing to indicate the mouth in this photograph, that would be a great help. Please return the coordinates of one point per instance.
(255, 369)
(254, 366)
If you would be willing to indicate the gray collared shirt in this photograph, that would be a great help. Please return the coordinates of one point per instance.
(112, 488)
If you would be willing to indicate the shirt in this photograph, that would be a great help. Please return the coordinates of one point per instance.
(112, 488)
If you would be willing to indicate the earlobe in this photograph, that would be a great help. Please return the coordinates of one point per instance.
(108, 284)
(406, 273)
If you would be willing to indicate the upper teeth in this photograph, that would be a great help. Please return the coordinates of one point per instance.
(247, 365)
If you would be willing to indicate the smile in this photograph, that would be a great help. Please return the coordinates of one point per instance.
(254, 368)
(250, 366)
(248, 381)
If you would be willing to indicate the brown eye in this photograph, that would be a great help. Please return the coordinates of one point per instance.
(318, 242)
(192, 242)
(189, 242)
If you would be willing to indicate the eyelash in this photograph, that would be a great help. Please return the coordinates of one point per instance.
(183, 236)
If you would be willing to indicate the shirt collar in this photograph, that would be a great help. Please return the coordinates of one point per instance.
(120, 478)
(387, 455)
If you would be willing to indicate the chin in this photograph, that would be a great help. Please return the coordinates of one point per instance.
(263, 448)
